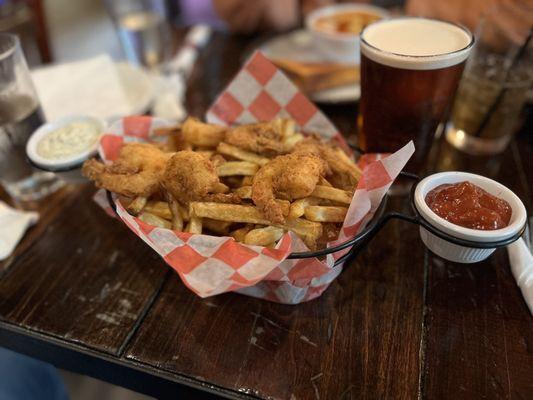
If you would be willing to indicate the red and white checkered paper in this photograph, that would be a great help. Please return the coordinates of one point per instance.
(210, 265)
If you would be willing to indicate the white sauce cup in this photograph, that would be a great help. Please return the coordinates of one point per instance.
(68, 169)
(454, 252)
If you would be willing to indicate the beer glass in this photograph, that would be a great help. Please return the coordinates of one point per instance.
(410, 69)
(20, 116)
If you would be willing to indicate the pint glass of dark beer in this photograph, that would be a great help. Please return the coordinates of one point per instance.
(410, 69)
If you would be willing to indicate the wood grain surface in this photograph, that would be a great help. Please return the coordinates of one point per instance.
(79, 284)
(361, 338)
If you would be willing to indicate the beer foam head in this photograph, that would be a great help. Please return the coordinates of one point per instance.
(416, 43)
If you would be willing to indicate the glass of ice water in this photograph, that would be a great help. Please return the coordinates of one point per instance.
(20, 116)
(492, 91)
(142, 29)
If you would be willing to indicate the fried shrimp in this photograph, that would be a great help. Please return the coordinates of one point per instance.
(262, 138)
(344, 173)
(136, 172)
(190, 176)
(288, 177)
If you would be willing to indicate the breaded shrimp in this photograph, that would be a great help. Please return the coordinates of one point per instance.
(136, 172)
(344, 174)
(262, 138)
(190, 176)
(289, 177)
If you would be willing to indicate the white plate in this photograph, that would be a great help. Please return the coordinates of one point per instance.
(138, 86)
(298, 46)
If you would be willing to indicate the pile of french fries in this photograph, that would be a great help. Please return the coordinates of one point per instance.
(316, 219)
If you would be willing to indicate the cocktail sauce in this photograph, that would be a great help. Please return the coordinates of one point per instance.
(467, 205)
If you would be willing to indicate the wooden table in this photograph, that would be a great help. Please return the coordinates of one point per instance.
(85, 294)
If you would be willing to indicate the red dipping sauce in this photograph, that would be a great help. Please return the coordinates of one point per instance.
(466, 204)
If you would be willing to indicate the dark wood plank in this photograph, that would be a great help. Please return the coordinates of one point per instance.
(360, 339)
(479, 329)
(480, 332)
(87, 279)
(48, 209)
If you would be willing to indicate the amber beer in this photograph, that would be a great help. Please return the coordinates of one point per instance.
(410, 69)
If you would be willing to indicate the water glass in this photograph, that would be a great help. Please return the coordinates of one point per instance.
(20, 116)
(492, 91)
(142, 29)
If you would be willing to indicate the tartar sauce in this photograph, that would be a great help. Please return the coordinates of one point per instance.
(69, 140)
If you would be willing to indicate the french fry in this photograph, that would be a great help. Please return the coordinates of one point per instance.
(263, 236)
(195, 224)
(220, 188)
(184, 211)
(247, 180)
(331, 193)
(219, 227)
(290, 141)
(244, 192)
(159, 208)
(324, 182)
(285, 126)
(177, 218)
(354, 169)
(154, 220)
(136, 206)
(198, 133)
(233, 212)
(309, 231)
(239, 234)
(237, 168)
(240, 154)
(298, 206)
(325, 213)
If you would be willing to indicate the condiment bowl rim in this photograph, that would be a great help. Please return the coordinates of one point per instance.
(63, 164)
(337, 8)
(518, 218)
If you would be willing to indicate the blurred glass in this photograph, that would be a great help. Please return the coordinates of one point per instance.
(20, 116)
(142, 29)
(492, 91)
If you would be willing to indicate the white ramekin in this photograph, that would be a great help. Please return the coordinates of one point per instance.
(454, 252)
(68, 169)
(340, 47)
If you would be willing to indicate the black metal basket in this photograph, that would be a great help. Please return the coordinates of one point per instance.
(379, 219)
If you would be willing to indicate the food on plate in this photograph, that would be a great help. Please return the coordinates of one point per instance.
(198, 133)
(69, 140)
(267, 138)
(250, 182)
(344, 173)
(290, 177)
(350, 22)
(190, 176)
(314, 77)
(136, 172)
(468, 205)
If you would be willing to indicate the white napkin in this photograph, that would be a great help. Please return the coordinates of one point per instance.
(521, 262)
(87, 87)
(13, 224)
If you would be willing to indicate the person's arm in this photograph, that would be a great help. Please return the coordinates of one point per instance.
(513, 17)
(247, 16)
